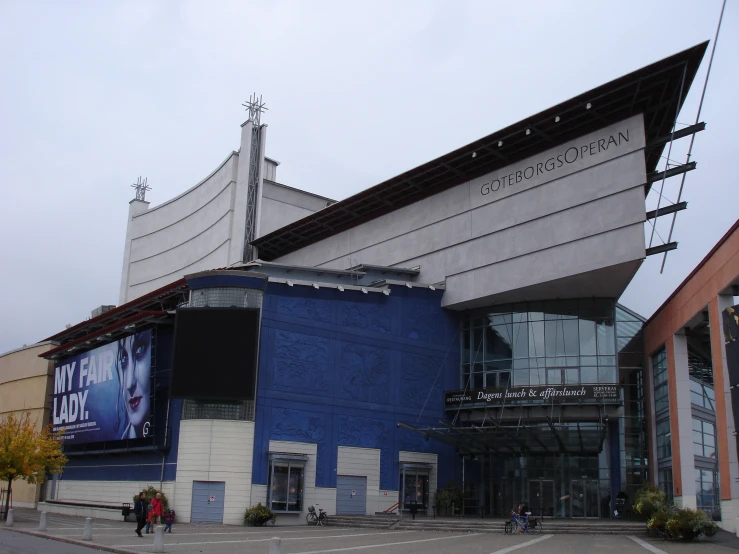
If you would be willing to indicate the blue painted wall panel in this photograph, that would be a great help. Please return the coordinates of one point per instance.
(342, 368)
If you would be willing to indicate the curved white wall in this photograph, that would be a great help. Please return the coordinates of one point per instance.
(192, 232)
(204, 227)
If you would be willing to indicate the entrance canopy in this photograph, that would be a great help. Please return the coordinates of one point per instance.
(521, 438)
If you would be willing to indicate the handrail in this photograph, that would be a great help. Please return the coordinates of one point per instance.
(394, 507)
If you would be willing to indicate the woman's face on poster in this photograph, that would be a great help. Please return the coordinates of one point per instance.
(135, 360)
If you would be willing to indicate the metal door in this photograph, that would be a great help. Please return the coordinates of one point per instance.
(207, 501)
(351, 495)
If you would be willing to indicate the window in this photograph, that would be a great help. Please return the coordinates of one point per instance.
(706, 490)
(704, 438)
(664, 442)
(540, 343)
(665, 482)
(702, 395)
(659, 369)
(286, 483)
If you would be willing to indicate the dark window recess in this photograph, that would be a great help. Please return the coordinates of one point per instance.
(215, 353)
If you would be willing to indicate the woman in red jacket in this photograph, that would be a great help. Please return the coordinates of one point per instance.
(157, 511)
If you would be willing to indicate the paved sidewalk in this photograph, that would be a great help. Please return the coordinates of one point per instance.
(119, 537)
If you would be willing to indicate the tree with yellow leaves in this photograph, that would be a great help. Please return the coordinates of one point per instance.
(28, 453)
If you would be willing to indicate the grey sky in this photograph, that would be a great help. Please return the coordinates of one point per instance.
(94, 94)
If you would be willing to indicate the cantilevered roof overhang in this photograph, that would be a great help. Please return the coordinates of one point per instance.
(523, 438)
(657, 91)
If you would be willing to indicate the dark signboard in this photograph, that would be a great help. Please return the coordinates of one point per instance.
(551, 394)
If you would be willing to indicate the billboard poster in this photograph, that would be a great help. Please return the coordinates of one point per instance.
(104, 394)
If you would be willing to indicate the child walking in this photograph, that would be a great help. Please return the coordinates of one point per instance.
(149, 514)
(169, 520)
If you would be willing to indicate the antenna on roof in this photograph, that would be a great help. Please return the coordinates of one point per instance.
(255, 107)
(141, 188)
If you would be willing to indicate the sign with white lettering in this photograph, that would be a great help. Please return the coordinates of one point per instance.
(550, 394)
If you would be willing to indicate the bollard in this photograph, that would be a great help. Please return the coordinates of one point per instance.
(87, 533)
(42, 522)
(275, 546)
(737, 527)
(9, 520)
(159, 538)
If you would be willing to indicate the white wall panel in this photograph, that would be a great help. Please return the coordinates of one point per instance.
(215, 450)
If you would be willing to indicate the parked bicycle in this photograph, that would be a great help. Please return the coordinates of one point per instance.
(524, 523)
(316, 518)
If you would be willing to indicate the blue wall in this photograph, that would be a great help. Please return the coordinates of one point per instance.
(342, 368)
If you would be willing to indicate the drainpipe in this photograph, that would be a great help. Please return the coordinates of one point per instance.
(166, 432)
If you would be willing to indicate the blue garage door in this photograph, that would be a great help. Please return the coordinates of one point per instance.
(351, 495)
(207, 501)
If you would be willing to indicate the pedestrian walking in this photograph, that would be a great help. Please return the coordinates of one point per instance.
(139, 509)
(157, 509)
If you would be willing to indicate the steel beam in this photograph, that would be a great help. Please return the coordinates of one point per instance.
(685, 132)
(678, 170)
(667, 210)
(661, 248)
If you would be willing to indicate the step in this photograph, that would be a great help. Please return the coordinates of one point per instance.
(483, 526)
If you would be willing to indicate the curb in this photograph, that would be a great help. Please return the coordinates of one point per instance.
(68, 541)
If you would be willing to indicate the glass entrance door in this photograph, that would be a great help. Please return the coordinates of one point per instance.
(592, 499)
(541, 497)
(584, 498)
(414, 487)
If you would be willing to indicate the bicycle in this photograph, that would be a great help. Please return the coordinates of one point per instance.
(526, 523)
(312, 519)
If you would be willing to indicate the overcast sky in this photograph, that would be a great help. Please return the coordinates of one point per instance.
(94, 94)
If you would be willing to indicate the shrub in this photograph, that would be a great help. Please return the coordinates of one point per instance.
(258, 515)
(649, 501)
(150, 492)
(686, 524)
(450, 494)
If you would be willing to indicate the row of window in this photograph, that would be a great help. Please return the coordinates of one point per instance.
(534, 377)
(538, 339)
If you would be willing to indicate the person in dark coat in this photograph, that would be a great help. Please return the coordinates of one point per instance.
(139, 509)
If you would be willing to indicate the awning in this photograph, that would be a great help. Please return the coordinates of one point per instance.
(541, 437)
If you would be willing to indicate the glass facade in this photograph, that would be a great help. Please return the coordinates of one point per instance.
(586, 341)
(633, 426)
(540, 343)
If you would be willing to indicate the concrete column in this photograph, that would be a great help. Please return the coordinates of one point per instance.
(725, 428)
(238, 200)
(681, 421)
(135, 207)
(275, 546)
(159, 538)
